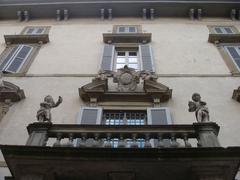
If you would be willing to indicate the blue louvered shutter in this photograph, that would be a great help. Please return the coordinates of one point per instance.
(9, 57)
(159, 116)
(18, 59)
(234, 52)
(107, 57)
(146, 57)
(34, 30)
(90, 115)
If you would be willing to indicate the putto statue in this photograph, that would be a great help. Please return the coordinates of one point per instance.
(44, 113)
(201, 111)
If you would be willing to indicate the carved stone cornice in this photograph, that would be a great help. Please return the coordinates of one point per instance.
(236, 94)
(157, 90)
(151, 90)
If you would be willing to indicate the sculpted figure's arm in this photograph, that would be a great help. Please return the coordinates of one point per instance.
(58, 102)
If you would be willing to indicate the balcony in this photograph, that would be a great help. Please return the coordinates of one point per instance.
(173, 152)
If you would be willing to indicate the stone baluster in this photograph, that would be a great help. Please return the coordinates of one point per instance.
(58, 15)
(96, 142)
(144, 13)
(70, 140)
(191, 14)
(134, 141)
(147, 141)
(152, 14)
(238, 16)
(19, 15)
(185, 139)
(233, 14)
(121, 143)
(26, 16)
(102, 14)
(82, 141)
(160, 142)
(58, 140)
(108, 141)
(109, 14)
(174, 143)
(65, 14)
(199, 14)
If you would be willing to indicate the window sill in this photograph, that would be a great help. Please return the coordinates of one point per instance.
(127, 37)
(224, 38)
(26, 39)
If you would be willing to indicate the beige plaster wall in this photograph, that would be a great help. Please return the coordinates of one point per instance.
(215, 91)
(180, 46)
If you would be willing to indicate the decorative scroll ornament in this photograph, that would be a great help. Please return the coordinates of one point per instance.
(127, 79)
(44, 113)
(199, 107)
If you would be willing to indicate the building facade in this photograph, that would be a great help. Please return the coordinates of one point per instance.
(126, 72)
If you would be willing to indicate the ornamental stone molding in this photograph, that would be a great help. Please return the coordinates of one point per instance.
(9, 93)
(132, 86)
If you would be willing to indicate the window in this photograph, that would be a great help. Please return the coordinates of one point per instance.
(129, 58)
(234, 53)
(221, 30)
(17, 58)
(125, 117)
(138, 57)
(224, 30)
(35, 30)
(127, 29)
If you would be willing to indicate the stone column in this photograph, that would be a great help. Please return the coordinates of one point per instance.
(207, 134)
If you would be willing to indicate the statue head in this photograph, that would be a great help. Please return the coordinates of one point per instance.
(49, 99)
(196, 97)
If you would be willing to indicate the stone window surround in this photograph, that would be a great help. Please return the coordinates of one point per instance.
(46, 29)
(227, 58)
(212, 30)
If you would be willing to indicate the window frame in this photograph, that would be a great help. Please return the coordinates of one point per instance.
(237, 48)
(45, 31)
(138, 29)
(27, 62)
(126, 50)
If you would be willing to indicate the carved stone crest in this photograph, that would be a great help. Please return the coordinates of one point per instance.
(127, 79)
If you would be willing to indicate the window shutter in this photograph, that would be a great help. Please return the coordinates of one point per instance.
(107, 58)
(90, 115)
(9, 57)
(18, 60)
(146, 57)
(159, 116)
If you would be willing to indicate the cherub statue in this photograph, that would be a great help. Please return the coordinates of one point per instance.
(44, 113)
(201, 111)
(147, 75)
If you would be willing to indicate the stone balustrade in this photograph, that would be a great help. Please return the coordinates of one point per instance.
(104, 136)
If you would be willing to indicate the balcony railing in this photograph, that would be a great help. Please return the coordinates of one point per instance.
(102, 136)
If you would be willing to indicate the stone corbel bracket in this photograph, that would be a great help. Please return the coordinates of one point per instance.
(236, 94)
(9, 91)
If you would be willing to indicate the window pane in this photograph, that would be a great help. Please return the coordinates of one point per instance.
(135, 66)
(121, 60)
(132, 60)
(133, 53)
(237, 62)
(233, 52)
(218, 30)
(121, 29)
(30, 31)
(39, 30)
(119, 66)
(132, 29)
(120, 53)
(228, 30)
